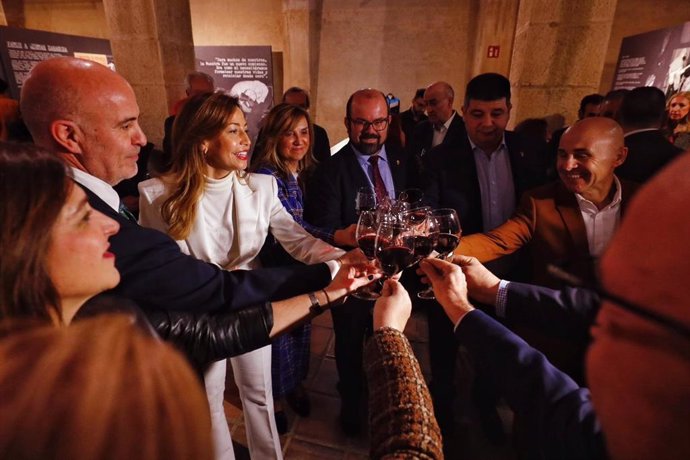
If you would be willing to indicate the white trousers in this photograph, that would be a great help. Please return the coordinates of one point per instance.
(214, 381)
(253, 378)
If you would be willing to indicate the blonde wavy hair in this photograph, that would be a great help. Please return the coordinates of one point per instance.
(99, 389)
(202, 118)
(283, 117)
(682, 125)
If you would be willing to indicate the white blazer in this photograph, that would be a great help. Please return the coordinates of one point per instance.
(255, 209)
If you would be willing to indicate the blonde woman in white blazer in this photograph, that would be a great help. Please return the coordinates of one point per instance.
(220, 214)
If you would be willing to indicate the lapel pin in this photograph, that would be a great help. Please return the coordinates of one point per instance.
(397, 162)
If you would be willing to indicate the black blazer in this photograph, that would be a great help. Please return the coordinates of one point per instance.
(648, 152)
(450, 179)
(156, 274)
(423, 134)
(331, 192)
(322, 146)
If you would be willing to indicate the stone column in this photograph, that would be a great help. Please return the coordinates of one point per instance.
(558, 55)
(153, 49)
(495, 27)
(297, 52)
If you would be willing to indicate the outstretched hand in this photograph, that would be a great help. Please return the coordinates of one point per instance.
(353, 257)
(482, 285)
(394, 306)
(450, 287)
(350, 278)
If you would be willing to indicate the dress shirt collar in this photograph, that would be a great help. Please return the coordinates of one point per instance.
(103, 190)
(587, 206)
(444, 127)
(501, 146)
(364, 158)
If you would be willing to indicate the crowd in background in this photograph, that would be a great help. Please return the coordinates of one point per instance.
(568, 276)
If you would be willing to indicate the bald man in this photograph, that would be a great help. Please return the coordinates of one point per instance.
(89, 116)
(568, 222)
(638, 367)
(443, 126)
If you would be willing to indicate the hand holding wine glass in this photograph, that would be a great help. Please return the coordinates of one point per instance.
(447, 239)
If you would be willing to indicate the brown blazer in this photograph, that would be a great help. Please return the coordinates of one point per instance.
(549, 223)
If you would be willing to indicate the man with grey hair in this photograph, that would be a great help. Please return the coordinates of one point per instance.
(195, 83)
(444, 125)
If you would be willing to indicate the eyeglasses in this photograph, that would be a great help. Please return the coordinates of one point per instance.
(379, 125)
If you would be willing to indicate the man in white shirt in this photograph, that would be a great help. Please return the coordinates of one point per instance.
(570, 222)
(444, 125)
(89, 116)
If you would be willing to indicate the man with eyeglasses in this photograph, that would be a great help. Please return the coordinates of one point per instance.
(366, 161)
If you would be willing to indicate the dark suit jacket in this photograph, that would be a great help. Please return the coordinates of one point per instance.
(648, 152)
(423, 134)
(557, 414)
(408, 123)
(322, 146)
(330, 199)
(155, 274)
(549, 222)
(568, 312)
(451, 178)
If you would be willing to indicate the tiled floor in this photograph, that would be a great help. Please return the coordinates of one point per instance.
(319, 436)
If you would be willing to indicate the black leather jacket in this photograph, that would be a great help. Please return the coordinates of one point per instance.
(208, 337)
(202, 337)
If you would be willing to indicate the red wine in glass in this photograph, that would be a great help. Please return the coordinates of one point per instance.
(448, 231)
(446, 244)
(394, 259)
(367, 245)
(366, 240)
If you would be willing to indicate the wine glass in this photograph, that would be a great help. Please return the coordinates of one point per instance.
(365, 233)
(447, 239)
(365, 200)
(424, 231)
(394, 247)
(411, 195)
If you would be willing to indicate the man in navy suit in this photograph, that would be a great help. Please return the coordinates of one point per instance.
(89, 116)
(481, 176)
(330, 202)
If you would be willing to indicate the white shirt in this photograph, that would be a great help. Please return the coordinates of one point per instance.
(440, 133)
(102, 189)
(232, 220)
(600, 224)
(496, 185)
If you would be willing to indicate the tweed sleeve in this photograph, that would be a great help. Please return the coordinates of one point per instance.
(401, 416)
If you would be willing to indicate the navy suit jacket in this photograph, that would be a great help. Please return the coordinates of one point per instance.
(330, 199)
(557, 413)
(156, 274)
(648, 152)
(568, 312)
(451, 178)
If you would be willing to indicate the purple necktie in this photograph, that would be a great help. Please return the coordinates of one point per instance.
(379, 186)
